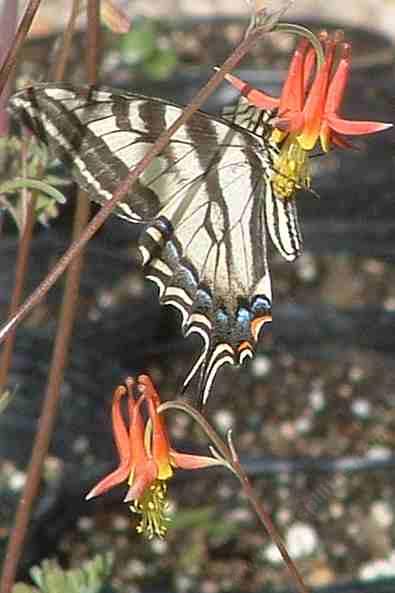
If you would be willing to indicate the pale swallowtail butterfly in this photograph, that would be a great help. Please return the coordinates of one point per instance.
(204, 204)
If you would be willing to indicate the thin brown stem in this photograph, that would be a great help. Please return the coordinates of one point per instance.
(266, 521)
(7, 28)
(230, 460)
(48, 413)
(52, 394)
(24, 247)
(9, 16)
(126, 185)
(23, 28)
(93, 42)
(60, 63)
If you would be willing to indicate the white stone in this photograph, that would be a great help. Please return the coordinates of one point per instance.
(382, 513)
(361, 407)
(380, 568)
(224, 420)
(261, 366)
(301, 540)
(317, 399)
(17, 481)
(272, 554)
(377, 452)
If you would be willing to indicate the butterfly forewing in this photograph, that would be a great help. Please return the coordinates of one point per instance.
(205, 202)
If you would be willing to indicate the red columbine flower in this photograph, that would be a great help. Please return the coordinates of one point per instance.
(146, 459)
(308, 110)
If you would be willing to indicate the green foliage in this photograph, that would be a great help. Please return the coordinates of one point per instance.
(93, 577)
(146, 49)
(28, 173)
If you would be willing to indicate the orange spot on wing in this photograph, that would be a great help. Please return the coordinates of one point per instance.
(244, 345)
(257, 324)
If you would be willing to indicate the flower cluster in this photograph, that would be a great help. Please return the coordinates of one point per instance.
(308, 110)
(146, 459)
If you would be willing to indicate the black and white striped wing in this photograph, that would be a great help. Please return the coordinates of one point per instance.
(281, 215)
(205, 202)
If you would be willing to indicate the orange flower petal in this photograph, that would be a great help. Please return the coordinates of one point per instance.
(160, 439)
(187, 461)
(315, 103)
(355, 128)
(116, 477)
(339, 81)
(290, 124)
(309, 63)
(255, 97)
(144, 475)
(136, 427)
(121, 438)
(120, 432)
(292, 95)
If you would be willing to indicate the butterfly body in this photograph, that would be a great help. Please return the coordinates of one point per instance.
(204, 204)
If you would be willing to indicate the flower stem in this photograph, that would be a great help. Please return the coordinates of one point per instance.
(231, 461)
(266, 521)
(294, 29)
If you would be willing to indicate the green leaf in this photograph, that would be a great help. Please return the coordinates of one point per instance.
(162, 63)
(22, 588)
(92, 577)
(138, 45)
(18, 183)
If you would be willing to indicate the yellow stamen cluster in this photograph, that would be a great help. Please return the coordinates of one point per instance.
(291, 168)
(153, 508)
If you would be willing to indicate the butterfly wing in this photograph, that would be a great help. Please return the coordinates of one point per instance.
(204, 201)
(281, 215)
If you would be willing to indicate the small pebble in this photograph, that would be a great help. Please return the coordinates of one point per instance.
(301, 540)
(381, 568)
(377, 452)
(85, 523)
(17, 481)
(382, 513)
(361, 407)
(261, 366)
(224, 420)
(317, 399)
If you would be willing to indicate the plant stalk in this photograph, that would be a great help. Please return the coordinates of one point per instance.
(12, 54)
(56, 374)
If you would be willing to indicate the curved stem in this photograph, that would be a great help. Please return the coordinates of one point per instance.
(231, 461)
(294, 29)
(204, 425)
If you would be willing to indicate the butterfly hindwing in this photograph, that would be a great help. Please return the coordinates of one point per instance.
(205, 203)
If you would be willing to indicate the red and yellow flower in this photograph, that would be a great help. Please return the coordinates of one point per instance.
(146, 459)
(308, 110)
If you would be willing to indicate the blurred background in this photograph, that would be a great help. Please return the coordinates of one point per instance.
(378, 14)
(313, 415)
